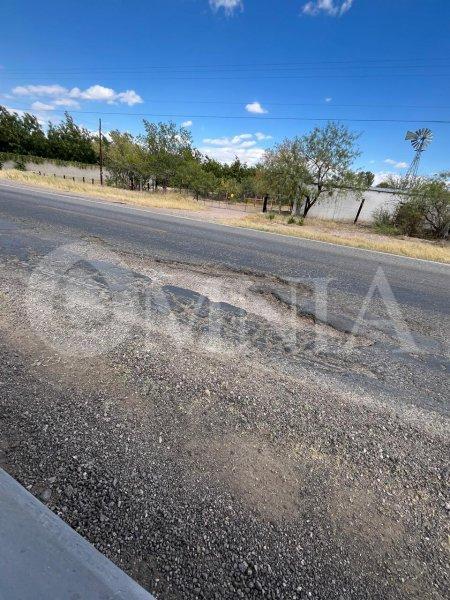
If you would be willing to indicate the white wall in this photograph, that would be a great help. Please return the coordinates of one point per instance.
(344, 206)
(49, 168)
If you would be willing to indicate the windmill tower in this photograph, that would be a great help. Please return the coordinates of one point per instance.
(420, 140)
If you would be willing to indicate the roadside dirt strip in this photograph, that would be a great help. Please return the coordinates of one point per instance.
(216, 434)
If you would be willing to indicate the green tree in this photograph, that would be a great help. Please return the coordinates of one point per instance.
(424, 206)
(328, 154)
(167, 146)
(21, 134)
(127, 161)
(193, 176)
(69, 141)
(285, 174)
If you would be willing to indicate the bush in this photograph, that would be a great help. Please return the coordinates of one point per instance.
(383, 222)
(300, 221)
(435, 203)
(382, 217)
(291, 221)
(271, 217)
(408, 217)
(20, 164)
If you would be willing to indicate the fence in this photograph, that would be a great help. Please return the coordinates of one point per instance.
(83, 178)
(337, 207)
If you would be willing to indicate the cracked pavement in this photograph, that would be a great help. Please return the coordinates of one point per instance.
(212, 430)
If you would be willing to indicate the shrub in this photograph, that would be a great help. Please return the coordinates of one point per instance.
(291, 221)
(271, 217)
(383, 222)
(382, 217)
(435, 203)
(20, 164)
(408, 217)
(300, 221)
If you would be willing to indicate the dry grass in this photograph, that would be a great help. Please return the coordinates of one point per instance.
(170, 200)
(348, 235)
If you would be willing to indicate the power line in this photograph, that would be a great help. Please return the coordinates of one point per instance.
(356, 62)
(241, 117)
(315, 104)
(255, 76)
(323, 104)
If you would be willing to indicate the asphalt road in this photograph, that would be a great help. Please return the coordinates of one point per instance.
(221, 452)
(415, 283)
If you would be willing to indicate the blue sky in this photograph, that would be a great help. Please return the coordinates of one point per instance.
(250, 63)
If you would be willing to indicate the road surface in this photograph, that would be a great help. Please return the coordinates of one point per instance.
(415, 283)
(177, 393)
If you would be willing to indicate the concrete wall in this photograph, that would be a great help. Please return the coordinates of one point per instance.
(344, 206)
(49, 168)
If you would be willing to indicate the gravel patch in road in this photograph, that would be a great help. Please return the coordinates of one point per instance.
(208, 472)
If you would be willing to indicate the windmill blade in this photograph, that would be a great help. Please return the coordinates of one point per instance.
(420, 139)
(425, 134)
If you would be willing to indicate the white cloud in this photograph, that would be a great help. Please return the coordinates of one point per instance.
(229, 6)
(187, 123)
(242, 140)
(17, 111)
(42, 117)
(329, 99)
(227, 154)
(66, 102)
(256, 108)
(262, 136)
(39, 90)
(95, 92)
(242, 145)
(42, 106)
(382, 176)
(332, 8)
(396, 164)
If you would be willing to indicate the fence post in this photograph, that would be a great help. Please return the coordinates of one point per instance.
(64, 176)
(83, 179)
(359, 211)
(73, 178)
(92, 181)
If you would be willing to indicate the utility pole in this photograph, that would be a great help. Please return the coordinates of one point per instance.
(101, 150)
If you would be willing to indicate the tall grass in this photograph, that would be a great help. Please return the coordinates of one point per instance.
(169, 200)
(348, 235)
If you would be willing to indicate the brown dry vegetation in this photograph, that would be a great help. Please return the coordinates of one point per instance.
(346, 234)
(169, 200)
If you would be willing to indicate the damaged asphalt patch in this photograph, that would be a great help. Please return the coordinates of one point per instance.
(222, 444)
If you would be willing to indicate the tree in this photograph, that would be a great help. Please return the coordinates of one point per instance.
(21, 134)
(433, 196)
(328, 154)
(193, 176)
(285, 174)
(69, 141)
(424, 205)
(167, 146)
(126, 161)
(368, 178)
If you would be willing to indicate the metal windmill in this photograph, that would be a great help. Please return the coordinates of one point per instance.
(420, 140)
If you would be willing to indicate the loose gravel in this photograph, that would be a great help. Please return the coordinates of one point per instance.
(206, 467)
